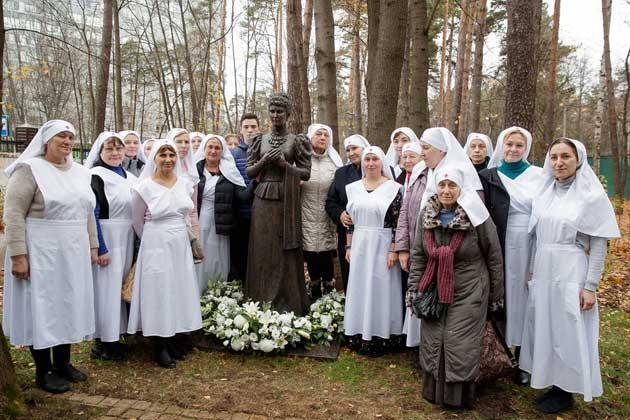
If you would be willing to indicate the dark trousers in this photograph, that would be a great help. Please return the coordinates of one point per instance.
(320, 266)
(43, 363)
(343, 264)
(239, 244)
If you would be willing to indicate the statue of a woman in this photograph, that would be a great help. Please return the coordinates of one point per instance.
(275, 267)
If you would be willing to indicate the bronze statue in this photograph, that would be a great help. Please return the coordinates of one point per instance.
(278, 161)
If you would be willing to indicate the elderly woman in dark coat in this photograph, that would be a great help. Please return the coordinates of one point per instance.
(457, 258)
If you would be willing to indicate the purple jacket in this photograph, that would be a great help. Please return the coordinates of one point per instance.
(406, 229)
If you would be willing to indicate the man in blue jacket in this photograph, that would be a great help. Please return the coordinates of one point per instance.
(239, 241)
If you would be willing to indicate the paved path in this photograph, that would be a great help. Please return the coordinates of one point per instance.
(147, 410)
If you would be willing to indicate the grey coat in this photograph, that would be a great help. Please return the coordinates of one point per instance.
(478, 282)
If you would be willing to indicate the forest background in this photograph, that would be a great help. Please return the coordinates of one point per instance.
(359, 66)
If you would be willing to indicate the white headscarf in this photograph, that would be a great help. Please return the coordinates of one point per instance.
(375, 150)
(593, 213)
(497, 156)
(125, 133)
(418, 167)
(143, 157)
(194, 134)
(95, 151)
(332, 153)
(227, 165)
(392, 156)
(469, 200)
(36, 147)
(482, 137)
(150, 167)
(187, 163)
(442, 139)
(356, 140)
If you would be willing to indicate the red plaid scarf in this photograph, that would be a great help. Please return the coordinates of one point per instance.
(441, 261)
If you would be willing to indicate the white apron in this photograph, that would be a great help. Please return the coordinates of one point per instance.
(518, 247)
(111, 312)
(165, 298)
(411, 328)
(216, 248)
(373, 304)
(559, 341)
(56, 304)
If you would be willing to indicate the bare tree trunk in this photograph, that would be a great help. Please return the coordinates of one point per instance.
(218, 98)
(612, 112)
(194, 102)
(449, 62)
(297, 73)
(326, 65)
(523, 32)
(463, 120)
(104, 63)
(477, 78)
(386, 47)
(601, 109)
(355, 71)
(625, 151)
(460, 65)
(550, 123)
(402, 112)
(443, 87)
(118, 105)
(306, 34)
(419, 63)
(277, 76)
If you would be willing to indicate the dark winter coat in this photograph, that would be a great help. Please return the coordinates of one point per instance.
(497, 201)
(337, 200)
(227, 198)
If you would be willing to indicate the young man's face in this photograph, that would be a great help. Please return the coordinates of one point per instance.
(249, 129)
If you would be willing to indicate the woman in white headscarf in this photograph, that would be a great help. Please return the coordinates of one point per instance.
(413, 189)
(221, 190)
(181, 139)
(145, 149)
(195, 141)
(572, 218)
(336, 199)
(319, 239)
(51, 246)
(456, 260)
(134, 159)
(373, 316)
(509, 186)
(165, 297)
(112, 188)
(440, 148)
(478, 147)
(398, 138)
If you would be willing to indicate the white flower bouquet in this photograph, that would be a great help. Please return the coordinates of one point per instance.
(243, 325)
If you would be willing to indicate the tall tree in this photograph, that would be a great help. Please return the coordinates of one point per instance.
(443, 87)
(419, 63)
(612, 112)
(296, 69)
(402, 112)
(354, 91)
(118, 106)
(103, 66)
(220, 74)
(386, 47)
(523, 33)
(326, 65)
(477, 77)
(277, 74)
(550, 123)
(460, 65)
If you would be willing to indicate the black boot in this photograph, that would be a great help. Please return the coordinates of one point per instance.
(520, 376)
(62, 365)
(555, 400)
(176, 347)
(162, 356)
(112, 352)
(46, 378)
(328, 287)
(97, 350)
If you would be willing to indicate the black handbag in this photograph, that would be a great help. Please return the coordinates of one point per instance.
(426, 305)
